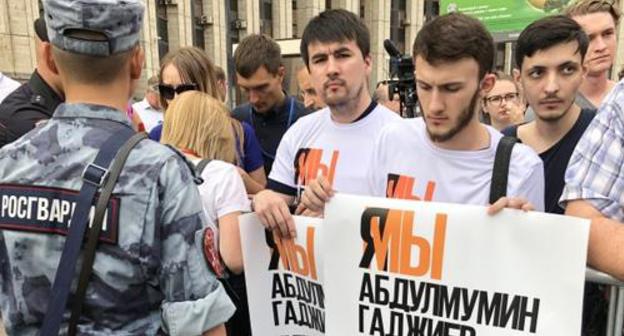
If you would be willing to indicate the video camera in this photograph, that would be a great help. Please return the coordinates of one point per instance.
(403, 81)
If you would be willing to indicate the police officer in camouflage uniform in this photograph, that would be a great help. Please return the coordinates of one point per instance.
(149, 274)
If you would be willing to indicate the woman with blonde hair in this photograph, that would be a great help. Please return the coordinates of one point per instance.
(190, 69)
(199, 126)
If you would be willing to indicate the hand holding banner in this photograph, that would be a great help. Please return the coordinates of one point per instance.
(283, 278)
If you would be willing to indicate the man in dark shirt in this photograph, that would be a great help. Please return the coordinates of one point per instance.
(35, 100)
(549, 56)
(270, 111)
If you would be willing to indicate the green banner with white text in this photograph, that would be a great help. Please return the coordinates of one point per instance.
(506, 17)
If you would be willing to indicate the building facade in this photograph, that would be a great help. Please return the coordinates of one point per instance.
(218, 25)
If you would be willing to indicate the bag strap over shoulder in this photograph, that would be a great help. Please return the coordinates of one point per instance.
(199, 168)
(96, 175)
(500, 172)
(96, 228)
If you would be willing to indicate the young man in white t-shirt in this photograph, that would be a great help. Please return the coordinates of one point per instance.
(448, 155)
(335, 142)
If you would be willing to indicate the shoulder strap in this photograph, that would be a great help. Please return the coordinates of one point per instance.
(96, 228)
(500, 172)
(94, 176)
(199, 168)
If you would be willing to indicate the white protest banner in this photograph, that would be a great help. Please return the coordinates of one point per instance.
(283, 279)
(394, 267)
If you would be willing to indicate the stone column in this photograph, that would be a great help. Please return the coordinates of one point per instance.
(282, 19)
(618, 63)
(17, 37)
(350, 5)
(249, 13)
(377, 17)
(179, 25)
(415, 19)
(306, 10)
(215, 32)
(149, 40)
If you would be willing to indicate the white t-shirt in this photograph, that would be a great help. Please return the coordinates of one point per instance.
(7, 85)
(149, 116)
(223, 190)
(317, 145)
(406, 164)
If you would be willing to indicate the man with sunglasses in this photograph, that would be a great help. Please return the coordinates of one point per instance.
(270, 111)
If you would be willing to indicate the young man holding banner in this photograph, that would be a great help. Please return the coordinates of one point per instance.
(336, 141)
(448, 155)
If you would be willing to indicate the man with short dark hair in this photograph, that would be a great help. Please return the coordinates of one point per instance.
(447, 155)
(333, 144)
(35, 100)
(150, 273)
(549, 59)
(270, 111)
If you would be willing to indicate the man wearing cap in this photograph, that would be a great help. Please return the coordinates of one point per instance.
(150, 274)
(35, 100)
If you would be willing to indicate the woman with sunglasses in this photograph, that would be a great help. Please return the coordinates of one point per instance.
(200, 126)
(190, 69)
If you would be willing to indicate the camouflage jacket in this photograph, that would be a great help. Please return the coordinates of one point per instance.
(149, 272)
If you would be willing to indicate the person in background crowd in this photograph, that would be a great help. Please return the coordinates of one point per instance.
(311, 99)
(503, 106)
(448, 155)
(35, 100)
(188, 69)
(148, 110)
(599, 19)
(200, 126)
(221, 82)
(7, 85)
(382, 94)
(152, 277)
(334, 143)
(270, 111)
(549, 57)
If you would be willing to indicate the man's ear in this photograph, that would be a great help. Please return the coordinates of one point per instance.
(516, 76)
(281, 73)
(136, 63)
(48, 59)
(487, 83)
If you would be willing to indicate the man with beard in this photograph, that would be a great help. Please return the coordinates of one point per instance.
(599, 20)
(448, 155)
(336, 141)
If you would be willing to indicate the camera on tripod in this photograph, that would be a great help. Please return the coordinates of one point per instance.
(402, 80)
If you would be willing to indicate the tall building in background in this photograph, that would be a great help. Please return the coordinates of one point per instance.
(217, 25)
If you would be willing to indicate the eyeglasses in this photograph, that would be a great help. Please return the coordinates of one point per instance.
(169, 91)
(498, 100)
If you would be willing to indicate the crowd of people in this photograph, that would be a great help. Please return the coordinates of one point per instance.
(169, 256)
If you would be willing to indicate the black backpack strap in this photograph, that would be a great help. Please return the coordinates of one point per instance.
(96, 228)
(94, 177)
(199, 168)
(500, 172)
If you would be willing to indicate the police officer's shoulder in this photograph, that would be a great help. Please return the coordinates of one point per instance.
(152, 156)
